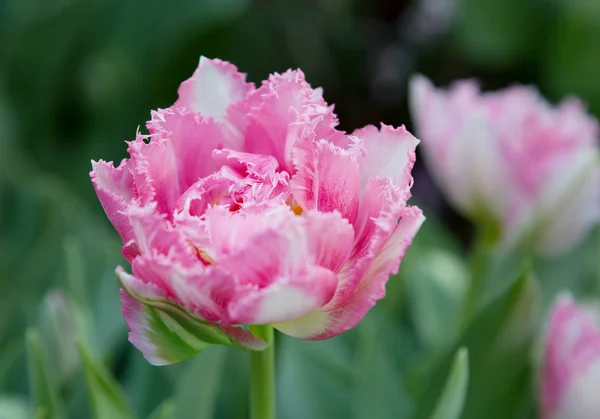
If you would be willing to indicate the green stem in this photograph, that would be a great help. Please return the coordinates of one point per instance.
(262, 371)
(481, 257)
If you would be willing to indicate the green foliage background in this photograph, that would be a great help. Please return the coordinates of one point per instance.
(78, 76)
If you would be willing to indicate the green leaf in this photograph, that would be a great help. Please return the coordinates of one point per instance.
(46, 401)
(572, 65)
(107, 397)
(166, 410)
(198, 386)
(314, 379)
(436, 282)
(378, 383)
(453, 397)
(13, 407)
(499, 342)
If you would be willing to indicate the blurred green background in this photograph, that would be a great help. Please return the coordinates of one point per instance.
(77, 77)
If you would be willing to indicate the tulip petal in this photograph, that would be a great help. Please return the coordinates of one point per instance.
(283, 301)
(326, 179)
(277, 271)
(178, 153)
(571, 366)
(323, 324)
(330, 238)
(213, 88)
(115, 190)
(388, 152)
(569, 206)
(279, 109)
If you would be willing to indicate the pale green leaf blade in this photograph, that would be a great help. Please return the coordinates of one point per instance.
(452, 401)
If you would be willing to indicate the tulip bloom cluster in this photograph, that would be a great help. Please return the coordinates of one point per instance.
(570, 375)
(511, 159)
(246, 205)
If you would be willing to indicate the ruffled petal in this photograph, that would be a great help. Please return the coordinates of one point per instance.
(279, 110)
(231, 232)
(388, 152)
(327, 178)
(326, 323)
(277, 257)
(115, 189)
(155, 172)
(154, 233)
(255, 165)
(288, 298)
(178, 153)
(330, 238)
(213, 88)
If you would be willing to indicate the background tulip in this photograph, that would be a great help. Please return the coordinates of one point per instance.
(510, 158)
(570, 373)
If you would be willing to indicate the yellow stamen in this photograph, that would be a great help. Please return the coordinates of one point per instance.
(297, 209)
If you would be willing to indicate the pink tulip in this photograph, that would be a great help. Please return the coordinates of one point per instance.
(247, 206)
(570, 376)
(510, 158)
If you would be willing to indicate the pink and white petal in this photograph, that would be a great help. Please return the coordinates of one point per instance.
(264, 184)
(213, 88)
(581, 397)
(371, 286)
(152, 231)
(380, 208)
(450, 133)
(189, 140)
(285, 299)
(219, 188)
(483, 170)
(571, 357)
(141, 290)
(232, 232)
(157, 281)
(268, 253)
(331, 321)
(326, 179)
(115, 189)
(155, 171)
(255, 165)
(389, 152)
(330, 238)
(281, 250)
(282, 100)
(439, 114)
(569, 206)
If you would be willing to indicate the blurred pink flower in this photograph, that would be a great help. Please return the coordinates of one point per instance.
(570, 376)
(247, 206)
(510, 158)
